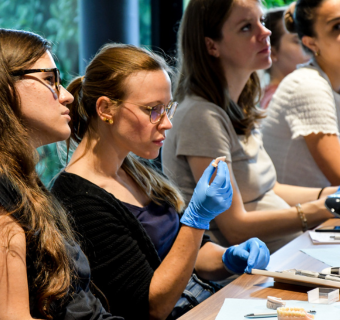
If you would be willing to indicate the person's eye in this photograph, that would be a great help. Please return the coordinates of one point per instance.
(247, 27)
(50, 80)
(263, 21)
(336, 27)
(157, 108)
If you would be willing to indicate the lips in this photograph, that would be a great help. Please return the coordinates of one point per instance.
(265, 50)
(159, 140)
(66, 112)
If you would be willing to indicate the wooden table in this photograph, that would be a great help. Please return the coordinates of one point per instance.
(254, 286)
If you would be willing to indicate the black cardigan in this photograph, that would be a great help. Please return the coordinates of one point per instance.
(81, 304)
(121, 254)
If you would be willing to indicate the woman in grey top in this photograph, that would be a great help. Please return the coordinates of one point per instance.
(221, 45)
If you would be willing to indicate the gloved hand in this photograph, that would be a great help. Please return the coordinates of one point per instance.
(332, 203)
(208, 201)
(250, 254)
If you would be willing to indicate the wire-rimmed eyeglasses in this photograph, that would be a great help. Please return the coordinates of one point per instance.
(158, 111)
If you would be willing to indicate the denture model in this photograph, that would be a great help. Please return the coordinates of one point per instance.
(217, 160)
(293, 314)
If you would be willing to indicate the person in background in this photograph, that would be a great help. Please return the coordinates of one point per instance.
(286, 51)
(221, 46)
(142, 253)
(43, 272)
(301, 132)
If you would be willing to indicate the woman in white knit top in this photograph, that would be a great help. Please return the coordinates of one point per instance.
(302, 128)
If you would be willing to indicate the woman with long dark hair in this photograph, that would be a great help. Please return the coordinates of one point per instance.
(221, 45)
(43, 273)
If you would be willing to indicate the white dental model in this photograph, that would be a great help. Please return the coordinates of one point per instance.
(293, 314)
(217, 160)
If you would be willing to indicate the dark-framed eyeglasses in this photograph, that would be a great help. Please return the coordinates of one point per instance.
(158, 111)
(55, 83)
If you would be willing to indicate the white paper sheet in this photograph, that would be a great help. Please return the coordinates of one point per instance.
(330, 256)
(236, 309)
(324, 237)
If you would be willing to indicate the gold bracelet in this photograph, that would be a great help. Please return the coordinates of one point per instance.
(302, 217)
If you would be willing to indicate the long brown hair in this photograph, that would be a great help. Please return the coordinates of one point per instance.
(105, 76)
(201, 74)
(43, 220)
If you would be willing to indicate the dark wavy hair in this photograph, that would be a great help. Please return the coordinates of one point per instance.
(39, 214)
(303, 19)
(201, 74)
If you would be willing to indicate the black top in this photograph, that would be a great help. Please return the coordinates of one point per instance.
(121, 254)
(81, 304)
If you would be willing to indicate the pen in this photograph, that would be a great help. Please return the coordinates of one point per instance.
(267, 314)
(335, 237)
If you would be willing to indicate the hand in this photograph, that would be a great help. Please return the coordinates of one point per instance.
(248, 255)
(208, 201)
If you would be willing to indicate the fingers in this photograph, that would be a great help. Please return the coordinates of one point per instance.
(207, 174)
(222, 176)
(258, 255)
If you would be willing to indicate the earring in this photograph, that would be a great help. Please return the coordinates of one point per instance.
(109, 121)
(317, 53)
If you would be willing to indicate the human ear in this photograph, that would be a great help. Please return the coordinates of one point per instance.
(104, 110)
(211, 47)
(310, 43)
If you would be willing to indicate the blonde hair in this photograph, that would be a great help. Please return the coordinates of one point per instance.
(105, 76)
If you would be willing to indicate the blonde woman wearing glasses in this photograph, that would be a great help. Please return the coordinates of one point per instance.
(127, 212)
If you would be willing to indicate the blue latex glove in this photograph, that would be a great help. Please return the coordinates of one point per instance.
(208, 201)
(248, 255)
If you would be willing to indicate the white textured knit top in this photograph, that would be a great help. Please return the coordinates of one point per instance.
(304, 103)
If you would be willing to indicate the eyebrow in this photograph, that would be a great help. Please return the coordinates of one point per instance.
(155, 103)
(333, 20)
(244, 21)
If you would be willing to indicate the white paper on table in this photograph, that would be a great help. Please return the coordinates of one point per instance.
(324, 237)
(236, 309)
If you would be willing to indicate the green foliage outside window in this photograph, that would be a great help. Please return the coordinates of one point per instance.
(276, 3)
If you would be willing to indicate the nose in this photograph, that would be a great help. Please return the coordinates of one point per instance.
(165, 123)
(65, 97)
(264, 33)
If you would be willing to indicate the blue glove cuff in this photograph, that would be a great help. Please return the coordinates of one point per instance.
(195, 222)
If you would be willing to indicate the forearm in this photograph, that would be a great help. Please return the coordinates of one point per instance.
(209, 263)
(172, 276)
(294, 194)
(270, 224)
